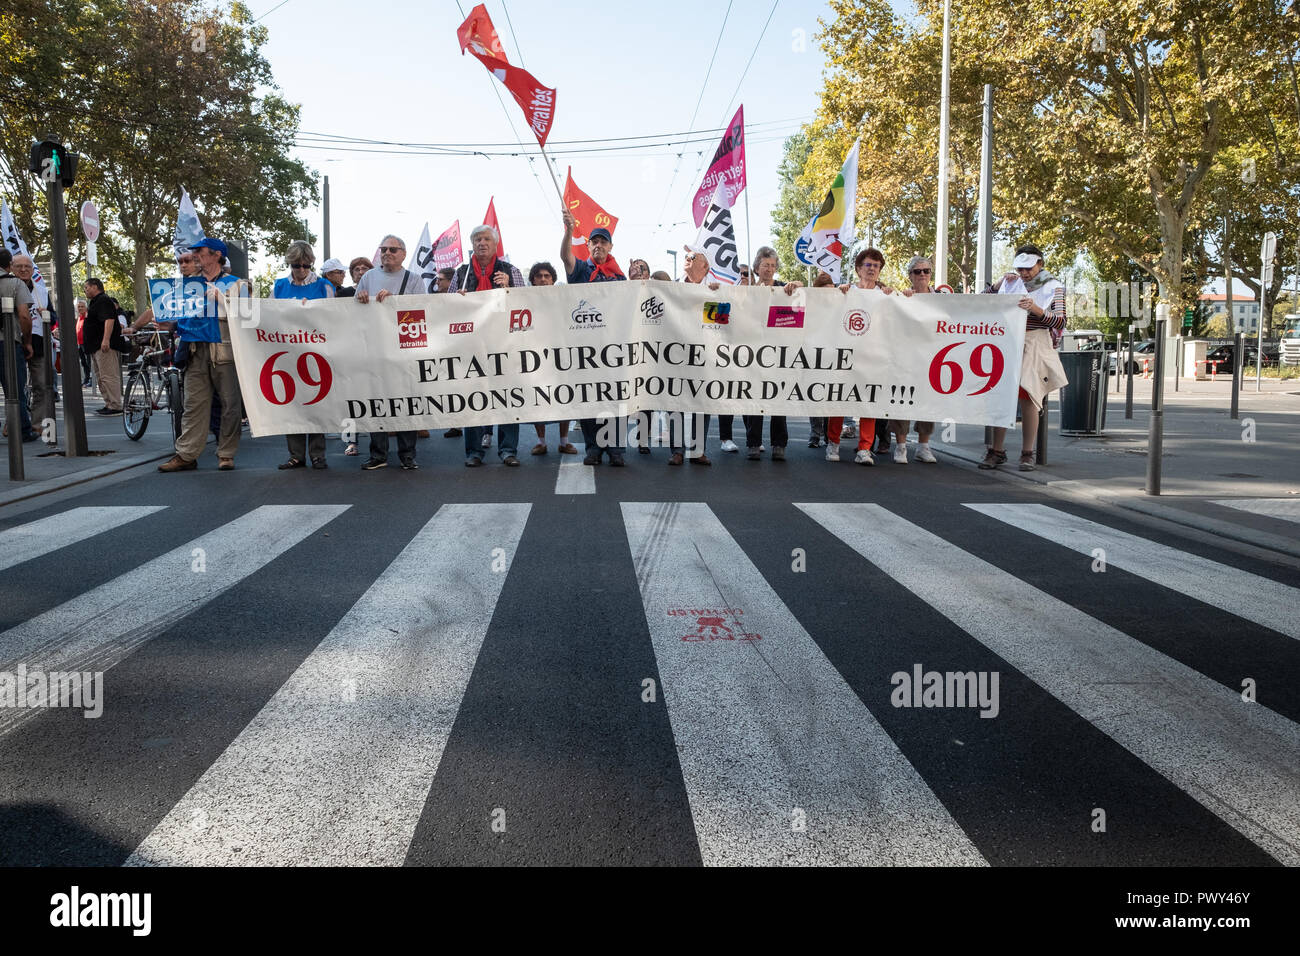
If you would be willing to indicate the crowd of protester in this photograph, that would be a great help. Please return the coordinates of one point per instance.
(211, 387)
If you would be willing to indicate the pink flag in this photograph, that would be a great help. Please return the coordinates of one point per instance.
(446, 248)
(728, 166)
(490, 219)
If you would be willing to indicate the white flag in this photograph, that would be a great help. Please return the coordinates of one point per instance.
(717, 239)
(188, 229)
(803, 245)
(422, 262)
(14, 243)
(832, 228)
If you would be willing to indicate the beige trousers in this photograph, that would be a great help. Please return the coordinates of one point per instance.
(203, 379)
(108, 368)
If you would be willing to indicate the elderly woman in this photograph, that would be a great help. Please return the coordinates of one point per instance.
(302, 282)
(1041, 372)
(357, 268)
(920, 270)
(763, 272)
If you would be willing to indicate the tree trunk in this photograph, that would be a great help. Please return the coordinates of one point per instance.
(140, 276)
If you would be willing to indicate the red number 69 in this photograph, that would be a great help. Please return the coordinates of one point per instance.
(319, 378)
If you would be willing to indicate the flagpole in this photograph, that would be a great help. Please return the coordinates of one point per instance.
(749, 248)
(941, 219)
(547, 160)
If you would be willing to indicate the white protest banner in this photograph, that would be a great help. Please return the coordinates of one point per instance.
(717, 239)
(188, 230)
(616, 348)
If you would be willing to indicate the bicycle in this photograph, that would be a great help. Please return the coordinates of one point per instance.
(152, 385)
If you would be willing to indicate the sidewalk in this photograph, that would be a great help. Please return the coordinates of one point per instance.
(1207, 456)
(47, 469)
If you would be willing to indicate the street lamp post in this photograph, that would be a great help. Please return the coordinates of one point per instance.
(673, 253)
(941, 225)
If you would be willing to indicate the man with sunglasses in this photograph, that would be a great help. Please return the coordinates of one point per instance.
(388, 280)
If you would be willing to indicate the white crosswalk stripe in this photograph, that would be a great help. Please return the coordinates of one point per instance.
(1239, 592)
(336, 768)
(575, 478)
(101, 627)
(1288, 509)
(39, 538)
(819, 782)
(1241, 761)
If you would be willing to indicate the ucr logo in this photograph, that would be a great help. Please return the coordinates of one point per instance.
(412, 330)
(521, 320)
(456, 328)
(856, 322)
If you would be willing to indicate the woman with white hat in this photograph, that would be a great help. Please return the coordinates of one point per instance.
(1041, 372)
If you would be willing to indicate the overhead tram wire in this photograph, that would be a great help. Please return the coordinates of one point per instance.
(698, 100)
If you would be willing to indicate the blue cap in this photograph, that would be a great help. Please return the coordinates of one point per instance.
(600, 232)
(209, 243)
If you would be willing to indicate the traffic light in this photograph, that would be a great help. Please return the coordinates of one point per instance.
(53, 162)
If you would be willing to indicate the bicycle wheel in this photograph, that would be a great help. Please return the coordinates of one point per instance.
(175, 399)
(137, 403)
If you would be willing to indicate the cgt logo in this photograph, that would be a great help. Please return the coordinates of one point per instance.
(458, 327)
(652, 311)
(717, 313)
(585, 316)
(856, 322)
(521, 320)
(785, 317)
(412, 330)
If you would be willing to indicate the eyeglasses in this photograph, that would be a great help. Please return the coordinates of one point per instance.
(870, 265)
(545, 275)
(921, 272)
(300, 265)
(392, 248)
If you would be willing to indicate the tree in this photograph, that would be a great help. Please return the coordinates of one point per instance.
(196, 106)
(795, 206)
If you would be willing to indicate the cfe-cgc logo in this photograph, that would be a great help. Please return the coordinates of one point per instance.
(521, 320)
(716, 314)
(856, 322)
(587, 316)
(785, 317)
(456, 328)
(412, 330)
(652, 311)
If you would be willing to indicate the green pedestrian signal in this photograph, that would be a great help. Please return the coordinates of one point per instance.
(1189, 316)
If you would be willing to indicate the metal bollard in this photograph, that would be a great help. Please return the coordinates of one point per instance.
(13, 398)
(1156, 427)
(1236, 373)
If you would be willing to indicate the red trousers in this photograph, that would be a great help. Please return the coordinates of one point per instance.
(866, 431)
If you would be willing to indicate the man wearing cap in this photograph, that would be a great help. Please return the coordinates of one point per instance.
(601, 267)
(211, 370)
(334, 270)
(484, 272)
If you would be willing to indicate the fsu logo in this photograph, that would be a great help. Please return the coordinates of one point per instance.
(521, 320)
(412, 330)
(856, 322)
(717, 313)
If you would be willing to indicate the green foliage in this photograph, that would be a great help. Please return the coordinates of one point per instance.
(155, 96)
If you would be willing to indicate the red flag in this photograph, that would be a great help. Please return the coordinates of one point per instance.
(446, 248)
(479, 36)
(587, 212)
(728, 166)
(490, 219)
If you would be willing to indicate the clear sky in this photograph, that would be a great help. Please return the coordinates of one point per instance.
(394, 72)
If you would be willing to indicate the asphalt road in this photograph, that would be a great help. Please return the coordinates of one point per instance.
(686, 665)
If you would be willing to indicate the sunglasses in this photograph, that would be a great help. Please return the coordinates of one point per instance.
(921, 272)
(301, 265)
(392, 248)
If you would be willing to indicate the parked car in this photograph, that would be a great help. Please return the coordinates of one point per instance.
(1219, 360)
(1141, 350)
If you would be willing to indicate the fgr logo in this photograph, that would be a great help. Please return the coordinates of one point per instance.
(785, 317)
(652, 311)
(521, 320)
(586, 316)
(856, 322)
(457, 327)
(717, 313)
(412, 330)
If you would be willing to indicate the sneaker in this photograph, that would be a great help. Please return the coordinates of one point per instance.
(372, 463)
(510, 461)
(730, 445)
(617, 461)
(753, 454)
(1027, 461)
(924, 454)
(409, 465)
(900, 453)
(814, 442)
(832, 452)
(992, 459)
(863, 457)
(778, 454)
(473, 461)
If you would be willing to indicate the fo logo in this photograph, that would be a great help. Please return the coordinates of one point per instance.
(521, 320)
(586, 316)
(717, 313)
(856, 322)
(412, 330)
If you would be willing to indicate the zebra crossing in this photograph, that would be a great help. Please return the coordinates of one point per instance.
(783, 731)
